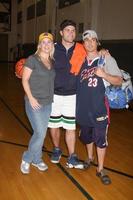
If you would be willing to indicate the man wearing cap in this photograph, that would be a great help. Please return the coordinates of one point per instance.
(92, 110)
(63, 107)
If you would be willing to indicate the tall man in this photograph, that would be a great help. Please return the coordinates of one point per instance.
(92, 109)
(63, 107)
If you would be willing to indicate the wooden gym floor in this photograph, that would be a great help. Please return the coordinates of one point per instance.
(59, 183)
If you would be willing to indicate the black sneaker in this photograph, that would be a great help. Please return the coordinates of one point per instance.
(104, 177)
(73, 162)
(56, 155)
(88, 163)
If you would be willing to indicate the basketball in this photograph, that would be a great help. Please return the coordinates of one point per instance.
(19, 67)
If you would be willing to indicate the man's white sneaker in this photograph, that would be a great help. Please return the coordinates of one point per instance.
(41, 166)
(25, 167)
(73, 162)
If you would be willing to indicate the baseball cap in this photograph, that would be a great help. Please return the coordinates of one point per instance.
(89, 34)
(67, 22)
(45, 35)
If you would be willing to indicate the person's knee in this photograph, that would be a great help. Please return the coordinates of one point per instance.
(85, 137)
(101, 143)
(101, 138)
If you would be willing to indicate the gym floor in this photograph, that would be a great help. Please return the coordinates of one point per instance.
(58, 182)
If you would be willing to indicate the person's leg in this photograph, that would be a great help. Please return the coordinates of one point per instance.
(55, 122)
(39, 122)
(101, 173)
(69, 123)
(89, 148)
(101, 156)
(100, 138)
(56, 153)
(101, 143)
(55, 135)
(68, 111)
(72, 161)
(70, 138)
(86, 136)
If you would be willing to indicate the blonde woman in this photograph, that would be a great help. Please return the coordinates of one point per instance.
(38, 83)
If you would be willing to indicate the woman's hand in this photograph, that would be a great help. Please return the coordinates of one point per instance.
(34, 103)
(25, 81)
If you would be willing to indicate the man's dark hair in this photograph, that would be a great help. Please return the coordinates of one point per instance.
(67, 22)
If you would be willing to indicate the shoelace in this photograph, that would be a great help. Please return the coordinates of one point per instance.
(75, 159)
(56, 153)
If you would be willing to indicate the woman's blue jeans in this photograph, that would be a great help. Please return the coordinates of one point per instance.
(39, 122)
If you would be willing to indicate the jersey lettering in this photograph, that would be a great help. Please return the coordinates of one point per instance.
(86, 73)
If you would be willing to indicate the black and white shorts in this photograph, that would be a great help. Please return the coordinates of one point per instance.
(63, 112)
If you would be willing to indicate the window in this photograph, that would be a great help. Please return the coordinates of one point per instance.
(41, 8)
(19, 17)
(65, 3)
(4, 17)
(31, 12)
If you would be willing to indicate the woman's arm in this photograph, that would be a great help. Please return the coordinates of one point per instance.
(25, 82)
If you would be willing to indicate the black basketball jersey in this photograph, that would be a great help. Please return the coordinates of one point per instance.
(90, 107)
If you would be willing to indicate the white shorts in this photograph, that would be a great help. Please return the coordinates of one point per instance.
(63, 112)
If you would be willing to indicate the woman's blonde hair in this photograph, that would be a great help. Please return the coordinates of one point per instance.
(43, 36)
